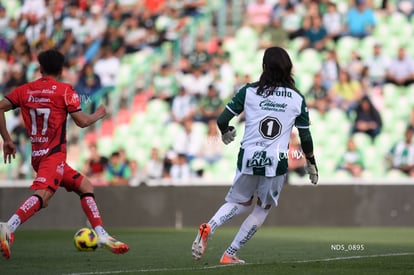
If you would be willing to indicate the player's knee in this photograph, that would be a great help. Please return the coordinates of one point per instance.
(266, 207)
(247, 203)
(43, 197)
(86, 186)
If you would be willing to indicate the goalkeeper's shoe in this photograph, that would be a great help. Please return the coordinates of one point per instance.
(200, 242)
(227, 259)
(112, 245)
(6, 240)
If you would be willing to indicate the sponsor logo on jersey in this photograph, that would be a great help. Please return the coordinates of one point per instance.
(259, 159)
(39, 153)
(270, 105)
(44, 91)
(60, 168)
(283, 93)
(36, 99)
(40, 179)
(39, 139)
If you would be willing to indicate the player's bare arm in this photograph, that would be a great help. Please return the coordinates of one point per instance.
(9, 149)
(84, 120)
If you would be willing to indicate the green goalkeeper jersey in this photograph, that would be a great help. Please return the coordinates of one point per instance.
(268, 125)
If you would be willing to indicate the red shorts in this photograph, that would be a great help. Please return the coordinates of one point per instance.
(53, 171)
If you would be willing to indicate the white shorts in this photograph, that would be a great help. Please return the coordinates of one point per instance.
(245, 186)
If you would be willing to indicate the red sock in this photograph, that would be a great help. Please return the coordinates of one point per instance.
(29, 208)
(91, 209)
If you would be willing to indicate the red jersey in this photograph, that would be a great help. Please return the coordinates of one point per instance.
(45, 104)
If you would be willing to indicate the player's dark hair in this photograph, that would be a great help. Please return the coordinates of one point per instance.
(277, 72)
(51, 61)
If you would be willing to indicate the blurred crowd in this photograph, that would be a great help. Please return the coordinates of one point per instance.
(95, 35)
(356, 85)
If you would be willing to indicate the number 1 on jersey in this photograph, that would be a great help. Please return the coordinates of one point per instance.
(45, 112)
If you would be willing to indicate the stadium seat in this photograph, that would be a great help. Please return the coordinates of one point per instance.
(121, 132)
(390, 93)
(342, 5)
(304, 82)
(13, 8)
(372, 159)
(394, 175)
(224, 170)
(240, 62)
(294, 46)
(382, 33)
(362, 140)
(342, 175)
(345, 46)
(366, 47)
(124, 75)
(391, 45)
(397, 22)
(310, 60)
(157, 111)
(105, 145)
(230, 44)
(247, 38)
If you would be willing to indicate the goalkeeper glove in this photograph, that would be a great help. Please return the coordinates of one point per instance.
(312, 170)
(228, 135)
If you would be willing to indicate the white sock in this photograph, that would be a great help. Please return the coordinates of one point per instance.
(248, 228)
(225, 213)
(101, 231)
(13, 223)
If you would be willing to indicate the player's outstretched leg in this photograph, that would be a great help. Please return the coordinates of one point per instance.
(6, 240)
(112, 244)
(91, 211)
(200, 242)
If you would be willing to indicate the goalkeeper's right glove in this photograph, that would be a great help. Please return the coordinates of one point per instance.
(312, 170)
(228, 135)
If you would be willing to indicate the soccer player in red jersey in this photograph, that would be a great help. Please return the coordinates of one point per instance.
(45, 104)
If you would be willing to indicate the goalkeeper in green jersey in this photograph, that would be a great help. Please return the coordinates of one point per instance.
(271, 106)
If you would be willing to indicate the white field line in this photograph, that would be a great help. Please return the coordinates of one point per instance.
(353, 257)
(222, 266)
(149, 270)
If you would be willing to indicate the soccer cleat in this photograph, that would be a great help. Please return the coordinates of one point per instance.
(113, 245)
(200, 242)
(227, 259)
(6, 240)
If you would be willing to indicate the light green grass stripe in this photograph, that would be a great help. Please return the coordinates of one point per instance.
(150, 270)
(222, 266)
(353, 257)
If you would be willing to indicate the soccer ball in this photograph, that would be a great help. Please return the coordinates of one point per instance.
(86, 239)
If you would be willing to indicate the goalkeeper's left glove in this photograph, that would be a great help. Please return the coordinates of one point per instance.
(312, 170)
(228, 135)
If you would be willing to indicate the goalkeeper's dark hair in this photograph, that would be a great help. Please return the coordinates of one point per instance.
(51, 61)
(277, 71)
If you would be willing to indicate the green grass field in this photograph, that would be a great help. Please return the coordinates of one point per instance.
(273, 250)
